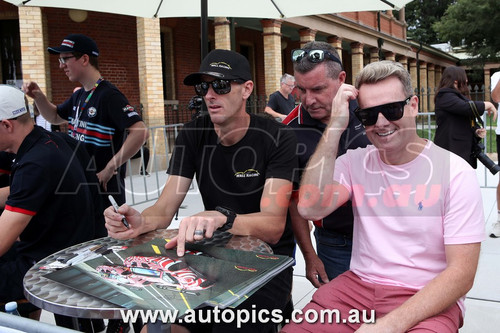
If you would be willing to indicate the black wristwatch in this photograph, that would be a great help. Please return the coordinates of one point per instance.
(230, 214)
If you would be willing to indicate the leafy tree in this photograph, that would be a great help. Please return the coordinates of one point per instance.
(475, 24)
(420, 17)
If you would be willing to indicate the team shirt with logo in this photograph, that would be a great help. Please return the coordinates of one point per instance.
(234, 176)
(101, 126)
(46, 183)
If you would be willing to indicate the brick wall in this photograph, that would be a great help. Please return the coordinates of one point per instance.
(186, 35)
(388, 24)
(187, 54)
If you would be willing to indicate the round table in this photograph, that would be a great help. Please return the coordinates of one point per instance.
(60, 299)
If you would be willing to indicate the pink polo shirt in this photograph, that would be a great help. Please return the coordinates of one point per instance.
(404, 215)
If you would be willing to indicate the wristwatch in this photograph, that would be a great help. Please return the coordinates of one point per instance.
(230, 214)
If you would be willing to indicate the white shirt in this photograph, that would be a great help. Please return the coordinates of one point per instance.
(494, 80)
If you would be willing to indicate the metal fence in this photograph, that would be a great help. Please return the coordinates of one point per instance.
(427, 121)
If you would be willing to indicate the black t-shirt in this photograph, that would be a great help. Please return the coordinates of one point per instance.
(47, 182)
(309, 131)
(280, 104)
(6, 160)
(102, 123)
(234, 176)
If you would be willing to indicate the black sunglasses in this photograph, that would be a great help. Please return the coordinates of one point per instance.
(220, 86)
(391, 111)
(313, 56)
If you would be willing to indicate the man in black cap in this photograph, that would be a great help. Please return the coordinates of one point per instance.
(99, 115)
(243, 166)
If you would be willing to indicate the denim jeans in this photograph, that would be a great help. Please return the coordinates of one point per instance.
(334, 250)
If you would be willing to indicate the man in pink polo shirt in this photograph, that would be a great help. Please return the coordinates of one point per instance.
(418, 216)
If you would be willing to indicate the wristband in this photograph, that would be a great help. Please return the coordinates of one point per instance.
(230, 214)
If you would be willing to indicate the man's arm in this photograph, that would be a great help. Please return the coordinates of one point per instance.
(314, 266)
(138, 134)
(46, 108)
(439, 294)
(319, 194)
(274, 113)
(158, 216)
(11, 226)
(268, 224)
(4, 194)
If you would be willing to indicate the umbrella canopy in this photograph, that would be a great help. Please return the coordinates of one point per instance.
(219, 8)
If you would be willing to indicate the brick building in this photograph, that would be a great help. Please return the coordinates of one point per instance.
(147, 59)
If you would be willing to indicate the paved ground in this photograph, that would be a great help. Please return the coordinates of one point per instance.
(483, 301)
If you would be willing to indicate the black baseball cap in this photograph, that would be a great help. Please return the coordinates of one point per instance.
(76, 43)
(221, 64)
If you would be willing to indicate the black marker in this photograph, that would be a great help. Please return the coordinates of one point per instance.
(115, 206)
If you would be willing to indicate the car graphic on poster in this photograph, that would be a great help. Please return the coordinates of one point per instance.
(162, 272)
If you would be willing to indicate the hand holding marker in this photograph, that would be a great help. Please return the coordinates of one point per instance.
(115, 206)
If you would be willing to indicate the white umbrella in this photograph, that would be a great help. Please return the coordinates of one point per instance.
(218, 8)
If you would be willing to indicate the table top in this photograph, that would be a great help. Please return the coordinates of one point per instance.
(58, 298)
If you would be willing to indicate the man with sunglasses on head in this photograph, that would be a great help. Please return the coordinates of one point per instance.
(243, 165)
(99, 115)
(319, 74)
(418, 215)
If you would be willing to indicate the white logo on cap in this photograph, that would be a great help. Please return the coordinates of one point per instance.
(220, 64)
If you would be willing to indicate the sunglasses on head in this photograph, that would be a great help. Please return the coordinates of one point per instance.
(391, 111)
(313, 56)
(220, 86)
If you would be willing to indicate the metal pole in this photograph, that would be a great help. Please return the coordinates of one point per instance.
(204, 28)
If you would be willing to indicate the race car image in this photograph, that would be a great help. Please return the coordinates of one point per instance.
(162, 272)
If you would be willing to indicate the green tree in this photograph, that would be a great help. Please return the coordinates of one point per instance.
(474, 24)
(420, 17)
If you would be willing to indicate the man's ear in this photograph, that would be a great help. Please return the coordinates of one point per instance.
(414, 105)
(247, 89)
(342, 76)
(86, 59)
(7, 124)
